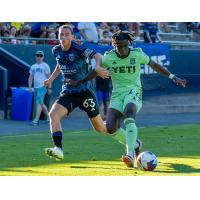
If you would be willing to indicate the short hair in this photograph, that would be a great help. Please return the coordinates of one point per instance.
(66, 27)
(122, 35)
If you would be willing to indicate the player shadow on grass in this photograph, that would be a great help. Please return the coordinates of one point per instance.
(179, 168)
(109, 168)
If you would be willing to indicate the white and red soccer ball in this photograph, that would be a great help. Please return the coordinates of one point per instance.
(147, 161)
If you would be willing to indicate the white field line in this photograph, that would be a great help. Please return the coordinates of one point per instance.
(32, 134)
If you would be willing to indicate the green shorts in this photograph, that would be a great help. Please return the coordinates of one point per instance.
(39, 94)
(120, 100)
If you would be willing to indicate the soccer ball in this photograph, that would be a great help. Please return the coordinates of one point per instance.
(147, 161)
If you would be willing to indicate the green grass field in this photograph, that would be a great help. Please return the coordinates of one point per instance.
(88, 153)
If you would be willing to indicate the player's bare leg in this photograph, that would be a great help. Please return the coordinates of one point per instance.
(98, 124)
(56, 114)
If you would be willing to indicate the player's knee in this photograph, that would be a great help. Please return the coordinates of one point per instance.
(130, 112)
(53, 116)
(99, 129)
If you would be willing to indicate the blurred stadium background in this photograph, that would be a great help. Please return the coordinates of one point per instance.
(176, 47)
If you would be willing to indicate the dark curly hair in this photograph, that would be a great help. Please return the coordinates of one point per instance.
(122, 35)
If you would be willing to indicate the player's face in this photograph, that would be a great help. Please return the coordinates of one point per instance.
(65, 36)
(122, 48)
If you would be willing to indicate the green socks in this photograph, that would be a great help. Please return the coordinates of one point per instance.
(119, 135)
(131, 136)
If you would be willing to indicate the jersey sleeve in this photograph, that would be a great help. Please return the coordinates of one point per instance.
(84, 51)
(104, 60)
(145, 59)
(55, 53)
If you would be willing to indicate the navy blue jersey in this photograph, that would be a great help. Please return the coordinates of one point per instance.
(73, 65)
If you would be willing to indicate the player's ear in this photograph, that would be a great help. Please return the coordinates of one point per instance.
(113, 43)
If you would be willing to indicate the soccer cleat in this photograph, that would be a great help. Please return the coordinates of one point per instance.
(128, 161)
(55, 152)
(138, 148)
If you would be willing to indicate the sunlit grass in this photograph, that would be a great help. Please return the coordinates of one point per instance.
(88, 153)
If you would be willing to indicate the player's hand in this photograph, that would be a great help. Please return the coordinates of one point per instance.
(179, 81)
(103, 73)
(47, 82)
(30, 89)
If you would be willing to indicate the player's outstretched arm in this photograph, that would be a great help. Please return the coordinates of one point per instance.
(97, 71)
(52, 77)
(94, 73)
(159, 69)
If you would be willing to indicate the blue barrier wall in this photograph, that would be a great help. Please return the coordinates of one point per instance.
(185, 63)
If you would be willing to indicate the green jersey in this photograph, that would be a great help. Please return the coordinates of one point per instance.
(125, 72)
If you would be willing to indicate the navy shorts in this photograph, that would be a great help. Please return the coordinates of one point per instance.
(86, 101)
(103, 96)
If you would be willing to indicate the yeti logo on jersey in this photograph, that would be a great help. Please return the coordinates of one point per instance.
(122, 69)
(132, 61)
(87, 52)
(71, 57)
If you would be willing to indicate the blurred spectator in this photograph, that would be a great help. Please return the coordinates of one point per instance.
(134, 28)
(194, 26)
(53, 37)
(151, 32)
(13, 34)
(39, 72)
(17, 25)
(25, 32)
(122, 26)
(88, 31)
(2, 28)
(76, 31)
(105, 39)
(38, 28)
(102, 27)
(162, 27)
(50, 30)
(6, 33)
(114, 29)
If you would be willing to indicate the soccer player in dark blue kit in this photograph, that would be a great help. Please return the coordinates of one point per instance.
(71, 63)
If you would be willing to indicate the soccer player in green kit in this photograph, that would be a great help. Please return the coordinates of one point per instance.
(124, 64)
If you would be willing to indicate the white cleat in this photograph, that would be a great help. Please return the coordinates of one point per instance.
(55, 152)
